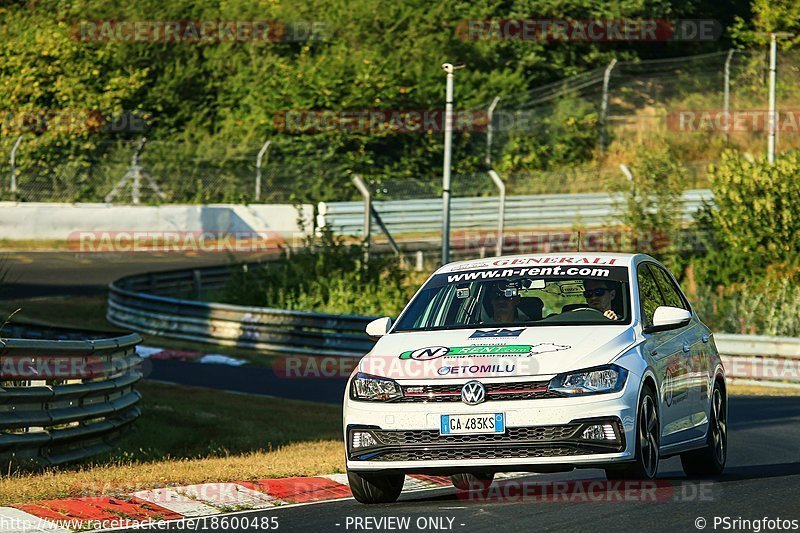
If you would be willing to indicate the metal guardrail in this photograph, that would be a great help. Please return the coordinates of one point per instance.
(541, 211)
(65, 396)
(159, 312)
(762, 359)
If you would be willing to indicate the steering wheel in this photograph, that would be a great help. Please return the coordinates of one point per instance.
(586, 309)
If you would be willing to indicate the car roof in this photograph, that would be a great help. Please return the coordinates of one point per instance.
(577, 258)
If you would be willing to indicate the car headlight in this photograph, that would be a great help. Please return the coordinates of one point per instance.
(604, 379)
(374, 389)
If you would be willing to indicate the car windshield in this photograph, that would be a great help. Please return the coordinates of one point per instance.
(587, 296)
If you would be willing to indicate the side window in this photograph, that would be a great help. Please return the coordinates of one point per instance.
(671, 295)
(649, 294)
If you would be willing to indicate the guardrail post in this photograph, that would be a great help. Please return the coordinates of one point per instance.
(420, 266)
(197, 282)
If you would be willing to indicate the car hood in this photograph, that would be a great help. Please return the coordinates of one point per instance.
(495, 352)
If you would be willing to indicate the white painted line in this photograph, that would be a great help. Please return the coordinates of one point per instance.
(513, 475)
(230, 496)
(15, 521)
(412, 483)
(338, 478)
(171, 499)
(147, 351)
(220, 359)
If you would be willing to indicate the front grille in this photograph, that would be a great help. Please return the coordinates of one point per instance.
(482, 453)
(516, 442)
(512, 435)
(521, 390)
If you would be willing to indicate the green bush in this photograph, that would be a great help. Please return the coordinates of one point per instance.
(754, 221)
(327, 276)
(764, 307)
(653, 210)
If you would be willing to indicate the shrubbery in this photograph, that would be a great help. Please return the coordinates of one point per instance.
(327, 276)
(749, 279)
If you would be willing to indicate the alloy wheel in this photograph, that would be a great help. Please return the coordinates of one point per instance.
(648, 436)
(719, 428)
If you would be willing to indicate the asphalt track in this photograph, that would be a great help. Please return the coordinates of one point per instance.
(246, 379)
(32, 274)
(761, 480)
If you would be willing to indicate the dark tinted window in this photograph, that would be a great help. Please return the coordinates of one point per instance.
(649, 294)
(668, 289)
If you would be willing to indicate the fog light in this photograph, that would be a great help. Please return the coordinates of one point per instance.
(362, 439)
(599, 432)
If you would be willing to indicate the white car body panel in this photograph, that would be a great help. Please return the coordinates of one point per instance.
(681, 363)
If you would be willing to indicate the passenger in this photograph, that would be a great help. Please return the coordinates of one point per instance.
(503, 303)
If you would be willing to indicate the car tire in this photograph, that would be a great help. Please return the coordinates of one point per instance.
(468, 482)
(710, 461)
(375, 488)
(648, 439)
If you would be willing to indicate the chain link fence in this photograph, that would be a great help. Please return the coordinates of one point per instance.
(539, 142)
(700, 105)
(181, 172)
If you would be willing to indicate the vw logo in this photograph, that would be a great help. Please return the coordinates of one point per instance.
(473, 393)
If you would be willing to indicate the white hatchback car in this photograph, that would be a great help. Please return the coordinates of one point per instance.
(539, 363)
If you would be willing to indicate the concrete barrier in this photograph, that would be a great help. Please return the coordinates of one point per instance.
(59, 221)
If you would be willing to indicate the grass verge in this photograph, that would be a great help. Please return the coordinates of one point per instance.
(735, 389)
(190, 435)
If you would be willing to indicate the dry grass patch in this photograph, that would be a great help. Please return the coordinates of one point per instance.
(299, 459)
(190, 435)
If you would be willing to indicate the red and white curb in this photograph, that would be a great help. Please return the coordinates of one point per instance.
(191, 501)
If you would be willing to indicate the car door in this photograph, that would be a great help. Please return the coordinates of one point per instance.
(696, 357)
(666, 350)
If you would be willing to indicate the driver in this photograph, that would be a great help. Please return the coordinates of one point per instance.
(599, 296)
(503, 300)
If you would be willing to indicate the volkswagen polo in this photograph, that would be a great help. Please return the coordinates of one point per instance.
(536, 363)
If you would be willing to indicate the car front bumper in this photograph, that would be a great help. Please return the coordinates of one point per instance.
(540, 434)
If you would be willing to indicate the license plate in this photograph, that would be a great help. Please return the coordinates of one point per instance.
(473, 424)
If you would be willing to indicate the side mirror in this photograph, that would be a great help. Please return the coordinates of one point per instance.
(379, 327)
(667, 317)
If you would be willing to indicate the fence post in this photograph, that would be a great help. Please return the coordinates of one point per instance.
(604, 104)
(362, 188)
(726, 94)
(502, 211)
(13, 161)
(264, 149)
(489, 117)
